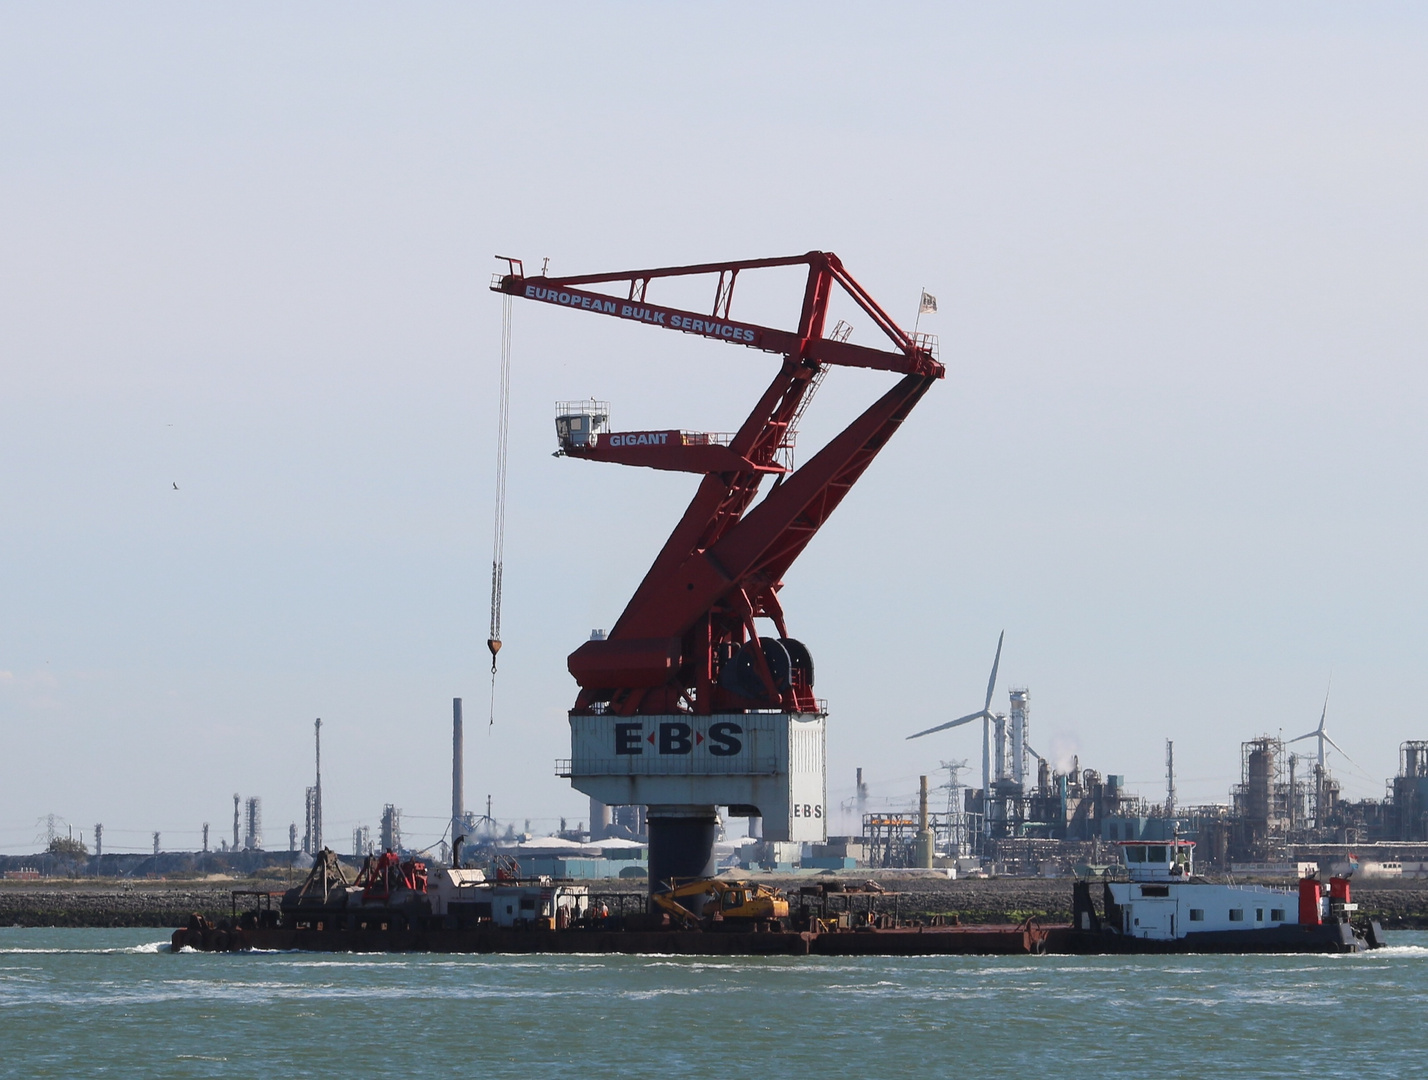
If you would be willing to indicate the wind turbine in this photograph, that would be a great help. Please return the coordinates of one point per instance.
(1319, 732)
(986, 716)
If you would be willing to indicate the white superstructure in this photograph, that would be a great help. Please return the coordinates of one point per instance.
(469, 894)
(1161, 902)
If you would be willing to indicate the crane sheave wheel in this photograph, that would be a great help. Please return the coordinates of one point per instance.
(801, 659)
(741, 676)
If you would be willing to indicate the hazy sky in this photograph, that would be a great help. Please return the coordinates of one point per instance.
(1179, 456)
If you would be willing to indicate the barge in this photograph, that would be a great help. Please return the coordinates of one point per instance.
(1028, 938)
(401, 906)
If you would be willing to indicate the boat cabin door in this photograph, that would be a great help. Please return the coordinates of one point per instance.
(1155, 921)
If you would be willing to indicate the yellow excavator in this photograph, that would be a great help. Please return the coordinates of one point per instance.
(727, 904)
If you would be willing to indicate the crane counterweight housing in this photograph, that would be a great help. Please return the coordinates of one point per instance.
(689, 703)
(773, 762)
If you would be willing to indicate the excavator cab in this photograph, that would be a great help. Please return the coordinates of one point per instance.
(732, 899)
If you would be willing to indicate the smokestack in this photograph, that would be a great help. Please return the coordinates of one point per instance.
(236, 800)
(923, 843)
(458, 780)
(317, 789)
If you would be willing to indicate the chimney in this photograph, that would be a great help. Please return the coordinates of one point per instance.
(317, 787)
(458, 780)
(923, 842)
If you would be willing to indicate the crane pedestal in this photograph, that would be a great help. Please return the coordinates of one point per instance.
(681, 842)
(682, 767)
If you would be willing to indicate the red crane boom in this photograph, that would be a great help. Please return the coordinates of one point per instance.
(687, 640)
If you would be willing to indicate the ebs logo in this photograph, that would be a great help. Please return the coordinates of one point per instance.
(676, 737)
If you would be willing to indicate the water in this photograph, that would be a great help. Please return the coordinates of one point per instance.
(114, 1002)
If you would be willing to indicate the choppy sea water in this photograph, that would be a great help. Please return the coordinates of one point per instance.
(117, 1003)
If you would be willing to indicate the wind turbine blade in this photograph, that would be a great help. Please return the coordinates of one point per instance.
(1312, 735)
(1325, 713)
(951, 724)
(1341, 750)
(1335, 745)
(992, 682)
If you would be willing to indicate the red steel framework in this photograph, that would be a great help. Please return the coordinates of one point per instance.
(687, 640)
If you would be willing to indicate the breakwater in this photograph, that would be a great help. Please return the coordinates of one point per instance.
(103, 904)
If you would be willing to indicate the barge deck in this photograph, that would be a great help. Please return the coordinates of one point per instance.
(1027, 939)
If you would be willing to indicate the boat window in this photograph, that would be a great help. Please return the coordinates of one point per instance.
(1156, 854)
(1135, 853)
(1197, 914)
(1237, 914)
(1276, 914)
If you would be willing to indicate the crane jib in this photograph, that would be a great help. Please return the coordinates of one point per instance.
(670, 318)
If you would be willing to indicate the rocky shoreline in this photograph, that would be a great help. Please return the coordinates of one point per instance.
(1397, 905)
(102, 904)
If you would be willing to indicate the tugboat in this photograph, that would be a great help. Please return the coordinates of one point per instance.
(1164, 907)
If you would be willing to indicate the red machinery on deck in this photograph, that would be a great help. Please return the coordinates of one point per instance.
(687, 640)
(384, 874)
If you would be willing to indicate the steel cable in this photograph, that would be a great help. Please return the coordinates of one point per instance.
(498, 542)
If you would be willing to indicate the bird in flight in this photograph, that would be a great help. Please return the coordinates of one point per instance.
(175, 486)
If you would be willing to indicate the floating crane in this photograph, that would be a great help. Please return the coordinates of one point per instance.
(687, 645)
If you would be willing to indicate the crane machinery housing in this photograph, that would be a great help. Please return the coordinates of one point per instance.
(685, 705)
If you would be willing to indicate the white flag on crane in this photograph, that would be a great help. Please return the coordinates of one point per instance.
(928, 304)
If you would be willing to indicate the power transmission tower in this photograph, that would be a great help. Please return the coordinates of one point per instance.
(957, 837)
